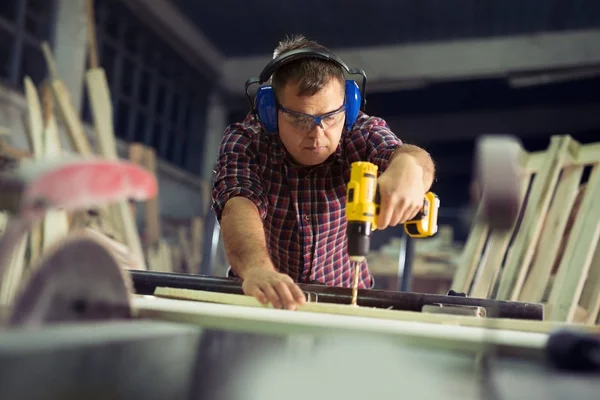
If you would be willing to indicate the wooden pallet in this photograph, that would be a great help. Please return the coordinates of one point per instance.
(553, 237)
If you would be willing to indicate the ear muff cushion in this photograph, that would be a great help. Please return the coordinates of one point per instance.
(266, 108)
(353, 102)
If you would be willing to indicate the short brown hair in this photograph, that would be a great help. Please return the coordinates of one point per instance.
(312, 74)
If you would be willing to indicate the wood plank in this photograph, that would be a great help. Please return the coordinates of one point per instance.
(157, 250)
(471, 255)
(13, 276)
(373, 314)
(101, 106)
(197, 228)
(35, 119)
(35, 132)
(589, 153)
(166, 257)
(136, 156)
(70, 117)
(176, 259)
(498, 243)
(520, 254)
(552, 235)
(56, 222)
(159, 257)
(73, 124)
(151, 206)
(574, 267)
(590, 297)
(471, 340)
(102, 112)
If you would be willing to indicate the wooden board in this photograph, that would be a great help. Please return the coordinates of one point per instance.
(101, 106)
(271, 321)
(552, 235)
(11, 280)
(520, 254)
(56, 222)
(35, 134)
(151, 207)
(577, 258)
(74, 128)
(377, 314)
(136, 156)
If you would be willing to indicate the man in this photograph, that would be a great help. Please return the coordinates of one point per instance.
(280, 199)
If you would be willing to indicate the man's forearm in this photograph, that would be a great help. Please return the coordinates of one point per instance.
(244, 236)
(423, 159)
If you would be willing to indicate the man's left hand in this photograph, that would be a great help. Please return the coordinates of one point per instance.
(402, 191)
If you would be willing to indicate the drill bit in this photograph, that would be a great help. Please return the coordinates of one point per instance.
(355, 268)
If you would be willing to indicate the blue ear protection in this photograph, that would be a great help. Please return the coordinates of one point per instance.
(265, 105)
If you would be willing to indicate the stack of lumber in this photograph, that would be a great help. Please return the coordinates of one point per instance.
(551, 254)
(50, 114)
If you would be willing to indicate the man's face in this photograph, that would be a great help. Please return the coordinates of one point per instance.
(306, 141)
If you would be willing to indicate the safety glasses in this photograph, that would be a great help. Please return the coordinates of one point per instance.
(307, 122)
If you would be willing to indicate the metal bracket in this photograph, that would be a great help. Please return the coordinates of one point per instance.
(453, 309)
(312, 297)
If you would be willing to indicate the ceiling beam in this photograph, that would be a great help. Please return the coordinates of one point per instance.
(523, 122)
(172, 26)
(392, 67)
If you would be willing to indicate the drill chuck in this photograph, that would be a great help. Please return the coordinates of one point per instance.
(359, 238)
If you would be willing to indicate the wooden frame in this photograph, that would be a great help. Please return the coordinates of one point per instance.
(519, 265)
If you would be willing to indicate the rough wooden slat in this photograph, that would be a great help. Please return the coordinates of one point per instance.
(469, 259)
(494, 256)
(575, 264)
(552, 235)
(590, 297)
(519, 256)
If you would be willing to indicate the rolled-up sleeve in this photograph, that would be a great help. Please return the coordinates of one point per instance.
(381, 142)
(237, 171)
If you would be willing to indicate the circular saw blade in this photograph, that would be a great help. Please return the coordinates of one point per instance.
(73, 183)
(79, 279)
(90, 183)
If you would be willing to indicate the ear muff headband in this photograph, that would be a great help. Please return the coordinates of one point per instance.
(264, 106)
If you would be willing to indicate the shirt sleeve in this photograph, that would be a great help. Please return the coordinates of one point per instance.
(237, 172)
(379, 141)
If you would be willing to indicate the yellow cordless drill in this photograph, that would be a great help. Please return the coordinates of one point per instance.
(362, 209)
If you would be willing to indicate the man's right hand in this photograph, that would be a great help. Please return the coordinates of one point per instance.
(270, 286)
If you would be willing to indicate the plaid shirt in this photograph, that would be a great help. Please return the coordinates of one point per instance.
(302, 208)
